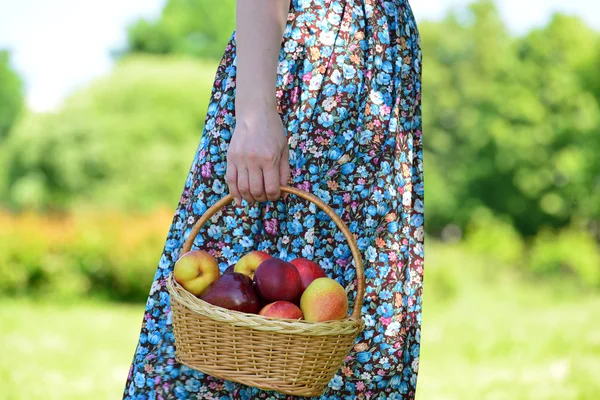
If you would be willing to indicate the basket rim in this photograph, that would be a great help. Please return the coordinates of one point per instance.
(347, 326)
(356, 255)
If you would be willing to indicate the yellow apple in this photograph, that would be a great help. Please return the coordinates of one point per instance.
(195, 270)
(248, 264)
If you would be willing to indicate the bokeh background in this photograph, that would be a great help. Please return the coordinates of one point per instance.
(101, 109)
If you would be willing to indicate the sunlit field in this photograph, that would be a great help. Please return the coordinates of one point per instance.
(494, 342)
(511, 122)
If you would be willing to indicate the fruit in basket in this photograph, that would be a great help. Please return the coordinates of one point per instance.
(281, 309)
(309, 271)
(233, 291)
(324, 300)
(248, 264)
(278, 280)
(195, 270)
(229, 269)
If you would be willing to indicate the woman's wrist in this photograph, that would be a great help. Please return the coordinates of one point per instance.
(253, 104)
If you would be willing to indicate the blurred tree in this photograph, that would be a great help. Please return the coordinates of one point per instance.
(194, 27)
(510, 123)
(11, 95)
(126, 141)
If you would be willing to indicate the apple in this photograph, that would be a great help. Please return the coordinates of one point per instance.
(248, 264)
(278, 280)
(195, 270)
(309, 271)
(324, 300)
(281, 309)
(229, 269)
(233, 291)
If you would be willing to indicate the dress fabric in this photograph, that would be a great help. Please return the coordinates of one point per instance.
(349, 93)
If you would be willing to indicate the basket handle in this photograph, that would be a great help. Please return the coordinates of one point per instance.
(360, 276)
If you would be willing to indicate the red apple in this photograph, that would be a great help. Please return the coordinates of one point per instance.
(281, 309)
(278, 280)
(233, 291)
(195, 270)
(324, 300)
(309, 271)
(229, 269)
(248, 264)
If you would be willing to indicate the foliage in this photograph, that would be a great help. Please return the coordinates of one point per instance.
(101, 254)
(511, 146)
(193, 27)
(126, 141)
(11, 95)
(494, 237)
(114, 255)
(566, 253)
(511, 124)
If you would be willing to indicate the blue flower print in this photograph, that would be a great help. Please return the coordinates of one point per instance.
(348, 90)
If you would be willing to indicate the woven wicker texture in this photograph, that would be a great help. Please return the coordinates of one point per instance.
(292, 357)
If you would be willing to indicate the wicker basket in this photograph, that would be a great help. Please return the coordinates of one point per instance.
(291, 357)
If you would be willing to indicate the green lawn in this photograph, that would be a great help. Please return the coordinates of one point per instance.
(65, 352)
(526, 344)
(506, 343)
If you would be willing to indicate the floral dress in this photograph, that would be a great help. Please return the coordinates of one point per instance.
(349, 94)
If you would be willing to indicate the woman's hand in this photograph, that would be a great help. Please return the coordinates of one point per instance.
(258, 156)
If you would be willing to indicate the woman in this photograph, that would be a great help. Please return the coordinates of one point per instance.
(323, 95)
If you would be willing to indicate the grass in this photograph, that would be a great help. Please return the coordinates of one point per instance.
(509, 341)
(58, 351)
(511, 344)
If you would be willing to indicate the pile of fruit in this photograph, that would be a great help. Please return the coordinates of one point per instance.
(264, 285)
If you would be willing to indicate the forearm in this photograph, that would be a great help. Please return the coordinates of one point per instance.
(259, 32)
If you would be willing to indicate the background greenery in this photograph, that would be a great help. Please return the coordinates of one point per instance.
(512, 137)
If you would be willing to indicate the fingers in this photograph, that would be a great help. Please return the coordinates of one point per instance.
(232, 180)
(257, 188)
(257, 163)
(244, 185)
(284, 167)
(271, 179)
